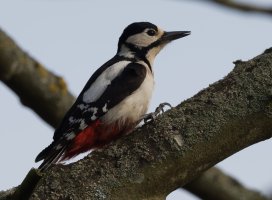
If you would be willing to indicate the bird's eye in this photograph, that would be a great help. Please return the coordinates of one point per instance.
(151, 32)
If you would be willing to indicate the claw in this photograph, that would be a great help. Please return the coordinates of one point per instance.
(152, 116)
(160, 108)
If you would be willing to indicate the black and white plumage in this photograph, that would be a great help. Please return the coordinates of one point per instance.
(115, 98)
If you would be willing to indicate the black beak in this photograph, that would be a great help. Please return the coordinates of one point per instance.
(173, 35)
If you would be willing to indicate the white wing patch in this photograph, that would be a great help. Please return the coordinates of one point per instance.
(82, 106)
(72, 120)
(94, 113)
(105, 109)
(82, 125)
(70, 136)
(100, 84)
(59, 146)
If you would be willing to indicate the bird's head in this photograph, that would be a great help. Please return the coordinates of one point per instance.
(145, 40)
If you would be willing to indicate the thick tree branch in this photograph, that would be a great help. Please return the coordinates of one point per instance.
(242, 6)
(37, 88)
(230, 115)
(214, 184)
(12, 58)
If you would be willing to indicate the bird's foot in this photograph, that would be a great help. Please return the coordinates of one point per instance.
(152, 116)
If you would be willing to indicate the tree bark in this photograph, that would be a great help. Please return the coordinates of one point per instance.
(244, 7)
(161, 156)
(38, 88)
(15, 63)
(214, 184)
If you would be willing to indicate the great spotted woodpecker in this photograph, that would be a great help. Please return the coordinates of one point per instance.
(114, 99)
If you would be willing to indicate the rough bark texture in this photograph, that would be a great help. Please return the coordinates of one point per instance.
(37, 88)
(214, 184)
(35, 79)
(5, 195)
(11, 53)
(230, 115)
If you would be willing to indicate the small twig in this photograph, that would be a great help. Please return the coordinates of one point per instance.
(242, 6)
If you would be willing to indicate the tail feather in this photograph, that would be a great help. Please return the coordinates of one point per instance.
(51, 154)
(53, 157)
(66, 147)
(43, 154)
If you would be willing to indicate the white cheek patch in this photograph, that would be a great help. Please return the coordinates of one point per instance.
(141, 39)
(101, 83)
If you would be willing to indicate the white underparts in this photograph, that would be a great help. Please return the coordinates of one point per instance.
(134, 106)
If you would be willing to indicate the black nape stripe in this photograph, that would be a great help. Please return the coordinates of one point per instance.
(140, 53)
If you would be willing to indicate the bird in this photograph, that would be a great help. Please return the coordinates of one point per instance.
(114, 99)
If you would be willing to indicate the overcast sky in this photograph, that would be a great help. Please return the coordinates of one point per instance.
(74, 37)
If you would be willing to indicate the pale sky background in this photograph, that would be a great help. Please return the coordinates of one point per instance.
(74, 37)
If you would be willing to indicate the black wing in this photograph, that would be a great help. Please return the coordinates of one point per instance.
(122, 86)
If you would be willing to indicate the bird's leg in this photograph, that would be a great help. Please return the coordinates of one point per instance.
(151, 116)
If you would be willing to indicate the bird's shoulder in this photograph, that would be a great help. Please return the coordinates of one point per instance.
(108, 86)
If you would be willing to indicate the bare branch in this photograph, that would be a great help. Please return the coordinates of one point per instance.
(6, 195)
(37, 88)
(242, 6)
(12, 58)
(214, 184)
(230, 115)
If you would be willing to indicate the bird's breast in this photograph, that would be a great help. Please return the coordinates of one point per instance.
(134, 106)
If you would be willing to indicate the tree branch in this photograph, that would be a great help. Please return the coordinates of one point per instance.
(242, 6)
(11, 56)
(214, 184)
(37, 88)
(5, 195)
(230, 115)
